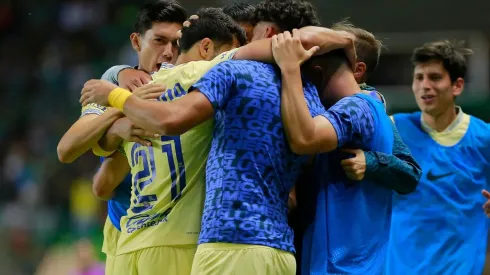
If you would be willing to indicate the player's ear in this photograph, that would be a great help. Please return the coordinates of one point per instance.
(360, 71)
(135, 41)
(206, 49)
(270, 31)
(458, 87)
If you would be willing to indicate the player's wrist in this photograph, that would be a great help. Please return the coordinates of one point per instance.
(118, 97)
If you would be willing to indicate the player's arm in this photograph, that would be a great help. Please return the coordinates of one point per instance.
(84, 134)
(90, 127)
(326, 39)
(324, 132)
(111, 173)
(399, 171)
(167, 118)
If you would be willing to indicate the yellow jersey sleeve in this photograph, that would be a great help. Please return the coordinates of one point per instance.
(93, 108)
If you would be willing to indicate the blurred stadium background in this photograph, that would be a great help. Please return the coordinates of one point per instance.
(49, 48)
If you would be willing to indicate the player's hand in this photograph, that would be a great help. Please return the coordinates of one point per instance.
(150, 91)
(486, 206)
(130, 79)
(288, 50)
(355, 167)
(96, 91)
(127, 130)
(329, 40)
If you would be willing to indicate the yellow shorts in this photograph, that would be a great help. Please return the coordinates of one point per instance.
(168, 260)
(109, 246)
(241, 259)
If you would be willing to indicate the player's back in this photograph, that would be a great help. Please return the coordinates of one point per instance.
(168, 177)
(441, 225)
(251, 168)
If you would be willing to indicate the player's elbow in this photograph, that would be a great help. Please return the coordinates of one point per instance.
(64, 153)
(301, 147)
(99, 188)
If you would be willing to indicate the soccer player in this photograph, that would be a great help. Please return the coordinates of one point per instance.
(244, 15)
(397, 171)
(154, 41)
(355, 242)
(163, 222)
(440, 229)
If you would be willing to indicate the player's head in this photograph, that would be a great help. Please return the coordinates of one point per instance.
(332, 75)
(156, 33)
(213, 33)
(368, 50)
(244, 15)
(438, 78)
(276, 16)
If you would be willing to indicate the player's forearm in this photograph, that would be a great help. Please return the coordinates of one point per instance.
(399, 172)
(83, 135)
(153, 116)
(110, 142)
(111, 173)
(260, 50)
(327, 39)
(298, 123)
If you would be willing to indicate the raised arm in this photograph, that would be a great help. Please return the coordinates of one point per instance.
(326, 39)
(111, 173)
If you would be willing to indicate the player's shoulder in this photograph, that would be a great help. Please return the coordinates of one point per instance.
(480, 128)
(415, 116)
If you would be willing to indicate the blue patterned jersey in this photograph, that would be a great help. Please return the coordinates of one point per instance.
(250, 169)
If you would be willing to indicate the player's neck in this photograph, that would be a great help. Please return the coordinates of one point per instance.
(442, 121)
(187, 57)
(343, 83)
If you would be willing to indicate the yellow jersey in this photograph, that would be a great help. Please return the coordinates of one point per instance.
(168, 184)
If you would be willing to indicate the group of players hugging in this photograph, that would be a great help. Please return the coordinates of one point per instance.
(246, 141)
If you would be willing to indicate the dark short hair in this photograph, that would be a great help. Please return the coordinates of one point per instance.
(159, 11)
(368, 48)
(214, 24)
(287, 14)
(453, 57)
(241, 12)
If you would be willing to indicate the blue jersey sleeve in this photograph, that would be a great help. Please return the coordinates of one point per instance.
(353, 121)
(217, 83)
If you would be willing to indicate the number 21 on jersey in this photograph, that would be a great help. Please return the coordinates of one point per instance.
(144, 157)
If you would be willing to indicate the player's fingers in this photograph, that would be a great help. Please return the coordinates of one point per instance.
(352, 151)
(140, 140)
(312, 51)
(287, 35)
(131, 87)
(274, 41)
(280, 39)
(486, 205)
(347, 162)
(154, 95)
(486, 194)
(145, 79)
(296, 33)
(86, 100)
(83, 97)
(137, 82)
(194, 17)
(143, 133)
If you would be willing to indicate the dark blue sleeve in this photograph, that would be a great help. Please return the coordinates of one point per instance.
(352, 119)
(313, 100)
(399, 172)
(217, 83)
